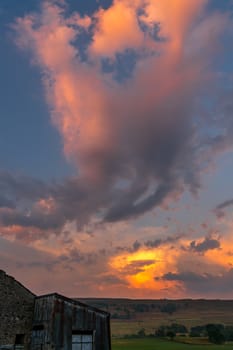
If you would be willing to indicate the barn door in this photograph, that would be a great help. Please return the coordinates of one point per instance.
(82, 341)
(38, 336)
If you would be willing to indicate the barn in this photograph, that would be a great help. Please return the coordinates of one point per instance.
(63, 323)
(49, 322)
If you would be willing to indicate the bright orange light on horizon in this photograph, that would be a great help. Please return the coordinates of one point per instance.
(140, 268)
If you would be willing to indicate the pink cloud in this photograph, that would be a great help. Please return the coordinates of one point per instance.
(117, 29)
(140, 132)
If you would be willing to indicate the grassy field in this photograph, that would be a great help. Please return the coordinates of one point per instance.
(129, 317)
(133, 315)
(156, 344)
(150, 321)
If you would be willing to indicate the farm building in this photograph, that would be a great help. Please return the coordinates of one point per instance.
(16, 312)
(49, 322)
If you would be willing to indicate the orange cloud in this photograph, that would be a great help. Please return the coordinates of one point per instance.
(117, 29)
(140, 268)
(78, 93)
(20, 233)
(83, 22)
(175, 18)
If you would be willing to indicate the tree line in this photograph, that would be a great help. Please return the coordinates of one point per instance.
(216, 333)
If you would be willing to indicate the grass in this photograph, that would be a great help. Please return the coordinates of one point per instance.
(133, 315)
(152, 320)
(157, 344)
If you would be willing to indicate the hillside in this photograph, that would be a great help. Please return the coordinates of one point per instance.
(130, 315)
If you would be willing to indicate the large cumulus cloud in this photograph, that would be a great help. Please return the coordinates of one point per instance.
(136, 141)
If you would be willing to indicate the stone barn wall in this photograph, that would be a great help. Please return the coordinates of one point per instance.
(16, 312)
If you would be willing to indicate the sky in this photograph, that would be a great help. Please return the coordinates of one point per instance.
(116, 147)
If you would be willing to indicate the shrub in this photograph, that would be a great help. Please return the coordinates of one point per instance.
(141, 333)
(171, 334)
(216, 333)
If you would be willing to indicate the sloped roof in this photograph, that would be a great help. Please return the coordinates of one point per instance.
(73, 301)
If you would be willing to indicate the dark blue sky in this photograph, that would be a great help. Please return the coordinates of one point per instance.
(28, 142)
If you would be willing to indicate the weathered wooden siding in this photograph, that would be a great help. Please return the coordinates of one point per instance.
(60, 316)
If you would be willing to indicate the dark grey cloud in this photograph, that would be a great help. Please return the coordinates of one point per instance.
(223, 120)
(74, 200)
(73, 257)
(202, 283)
(207, 244)
(21, 187)
(225, 204)
(136, 246)
(139, 263)
(154, 244)
(159, 241)
(137, 266)
(89, 258)
(76, 257)
(128, 208)
(32, 219)
(132, 249)
(219, 210)
(155, 151)
(184, 277)
(25, 193)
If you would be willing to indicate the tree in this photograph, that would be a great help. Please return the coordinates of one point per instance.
(178, 328)
(197, 331)
(141, 333)
(171, 334)
(160, 332)
(215, 333)
(170, 308)
(228, 332)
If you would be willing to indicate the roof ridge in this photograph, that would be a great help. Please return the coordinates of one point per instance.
(74, 301)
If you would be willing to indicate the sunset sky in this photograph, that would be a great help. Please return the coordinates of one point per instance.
(116, 147)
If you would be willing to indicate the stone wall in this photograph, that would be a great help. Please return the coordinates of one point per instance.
(16, 311)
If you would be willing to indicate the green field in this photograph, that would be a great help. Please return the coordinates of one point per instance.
(156, 344)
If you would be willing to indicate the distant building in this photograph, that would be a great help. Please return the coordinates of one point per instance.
(49, 322)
